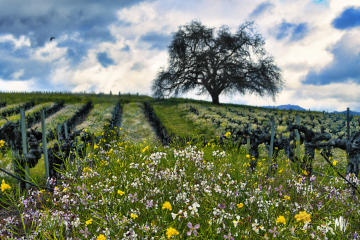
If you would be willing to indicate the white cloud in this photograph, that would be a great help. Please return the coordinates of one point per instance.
(18, 86)
(49, 52)
(18, 74)
(295, 59)
(19, 42)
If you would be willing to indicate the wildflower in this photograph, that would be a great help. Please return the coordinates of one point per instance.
(247, 156)
(334, 163)
(192, 229)
(228, 236)
(303, 216)
(305, 172)
(95, 146)
(110, 151)
(240, 205)
(120, 192)
(194, 208)
(341, 223)
(133, 197)
(274, 232)
(312, 178)
(87, 170)
(101, 237)
(171, 232)
(134, 216)
(167, 205)
(88, 222)
(2, 143)
(287, 197)
(4, 186)
(281, 219)
(227, 134)
(145, 149)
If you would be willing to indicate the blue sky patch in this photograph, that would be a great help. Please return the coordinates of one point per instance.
(261, 8)
(349, 18)
(321, 2)
(157, 40)
(344, 66)
(104, 59)
(293, 31)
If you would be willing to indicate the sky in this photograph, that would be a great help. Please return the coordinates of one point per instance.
(120, 45)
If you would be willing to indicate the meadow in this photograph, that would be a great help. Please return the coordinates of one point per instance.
(130, 186)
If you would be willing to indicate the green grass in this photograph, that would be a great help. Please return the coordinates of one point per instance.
(97, 118)
(10, 106)
(175, 121)
(134, 125)
(28, 112)
(59, 117)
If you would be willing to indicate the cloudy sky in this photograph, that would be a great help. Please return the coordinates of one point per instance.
(120, 45)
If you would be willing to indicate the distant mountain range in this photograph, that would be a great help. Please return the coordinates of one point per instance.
(344, 112)
(298, 108)
(287, 107)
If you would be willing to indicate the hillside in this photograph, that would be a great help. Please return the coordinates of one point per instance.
(134, 167)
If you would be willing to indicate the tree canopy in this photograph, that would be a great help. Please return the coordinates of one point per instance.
(217, 63)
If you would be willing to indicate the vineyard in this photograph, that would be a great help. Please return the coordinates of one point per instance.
(97, 166)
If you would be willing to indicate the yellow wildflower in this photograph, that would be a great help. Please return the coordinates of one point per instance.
(247, 156)
(303, 216)
(95, 146)
(281, 219)
(286, 197)
(88, 222)
(110, 151)
(171, 232)
(145, 149)
(120, 192)
(87, 170)
(134, 216)
(101, 237)
(334, 163)
(2, 143)
(4, 186)
(305, 172)
(240, 205)
(227, 134)
(167, 205)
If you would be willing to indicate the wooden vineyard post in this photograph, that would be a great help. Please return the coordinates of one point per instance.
(24, 145)
(248, 141)
(347, 133)
(271, 149)
(66, 131)
(58, 131)
(43, 129)
(348, 124)
(297, 135)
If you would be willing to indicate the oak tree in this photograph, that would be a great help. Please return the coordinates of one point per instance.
(218, 62)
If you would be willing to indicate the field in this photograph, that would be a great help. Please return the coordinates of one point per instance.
(133, 167)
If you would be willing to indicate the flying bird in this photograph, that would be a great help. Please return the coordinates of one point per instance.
(52, 38)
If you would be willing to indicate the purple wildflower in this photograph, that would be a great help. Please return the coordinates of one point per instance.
(228, 236)
(192, 229)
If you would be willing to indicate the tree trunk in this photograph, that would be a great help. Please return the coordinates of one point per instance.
(215, 98)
